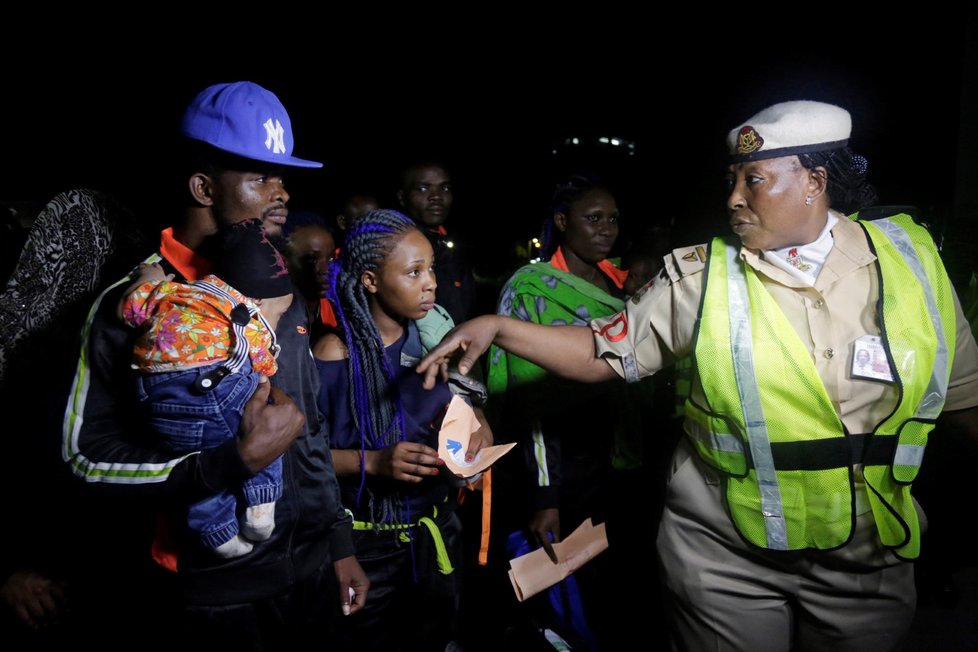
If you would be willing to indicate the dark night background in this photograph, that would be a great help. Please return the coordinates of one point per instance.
(495, 93)
(497, 108)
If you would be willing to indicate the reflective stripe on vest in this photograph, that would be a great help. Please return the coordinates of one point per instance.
(789, 482)
(922, 358)
(750, 403)
(932, 402)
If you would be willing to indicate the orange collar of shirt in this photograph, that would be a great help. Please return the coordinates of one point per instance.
(616, 275)
(184, 260)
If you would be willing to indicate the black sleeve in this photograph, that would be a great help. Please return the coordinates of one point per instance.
(104, 441)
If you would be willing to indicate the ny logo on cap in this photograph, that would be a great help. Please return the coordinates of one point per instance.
(275, 136)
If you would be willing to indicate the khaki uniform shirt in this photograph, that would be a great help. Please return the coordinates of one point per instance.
(658, 324)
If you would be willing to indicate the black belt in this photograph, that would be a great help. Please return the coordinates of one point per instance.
(834, 453)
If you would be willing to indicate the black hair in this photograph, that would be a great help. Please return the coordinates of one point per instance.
(377, 415)
(197, 156)
(408, 170)
(846, 175)
(300, 219)
(566, 193)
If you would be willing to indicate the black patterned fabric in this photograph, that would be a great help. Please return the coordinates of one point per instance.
(81, 238)
(81, 241)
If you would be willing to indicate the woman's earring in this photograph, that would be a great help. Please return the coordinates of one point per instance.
(808, 201)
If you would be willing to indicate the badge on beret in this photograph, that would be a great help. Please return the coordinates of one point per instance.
(748, 140)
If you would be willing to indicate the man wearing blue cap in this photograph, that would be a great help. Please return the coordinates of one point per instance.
(239, 142)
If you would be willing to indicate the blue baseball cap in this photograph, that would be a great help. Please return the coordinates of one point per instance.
(243, 119)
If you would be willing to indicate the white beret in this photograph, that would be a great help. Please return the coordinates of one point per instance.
(790, 128)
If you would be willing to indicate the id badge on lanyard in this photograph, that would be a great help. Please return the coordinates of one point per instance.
(869, 359)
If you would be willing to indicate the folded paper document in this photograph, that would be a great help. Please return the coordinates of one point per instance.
(453, 440)
(534, 572)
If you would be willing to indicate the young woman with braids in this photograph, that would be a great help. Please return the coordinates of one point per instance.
(384, 434)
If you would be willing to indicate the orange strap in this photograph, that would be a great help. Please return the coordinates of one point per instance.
(484, 483)
(486, 516)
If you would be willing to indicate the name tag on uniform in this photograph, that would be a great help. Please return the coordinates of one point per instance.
(869, 359)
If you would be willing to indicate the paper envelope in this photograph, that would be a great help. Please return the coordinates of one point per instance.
(534, 572)
(453, 441)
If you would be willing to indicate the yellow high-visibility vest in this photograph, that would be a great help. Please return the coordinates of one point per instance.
(770, 425)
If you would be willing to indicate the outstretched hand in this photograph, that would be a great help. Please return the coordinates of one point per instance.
(472, 338)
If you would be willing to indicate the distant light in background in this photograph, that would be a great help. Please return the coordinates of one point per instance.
(574, 142)
(532, 251)
(449, 244)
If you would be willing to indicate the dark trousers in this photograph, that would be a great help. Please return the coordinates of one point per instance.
(306, 614)
(411, 605)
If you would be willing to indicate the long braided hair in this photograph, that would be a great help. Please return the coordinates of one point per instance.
(377, 413)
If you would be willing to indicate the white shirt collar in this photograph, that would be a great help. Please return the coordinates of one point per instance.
(804, 262)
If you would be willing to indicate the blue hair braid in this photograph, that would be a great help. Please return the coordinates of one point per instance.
(378, 416)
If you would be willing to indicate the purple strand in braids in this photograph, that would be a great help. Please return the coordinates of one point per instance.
(354, 361)
(377, 416)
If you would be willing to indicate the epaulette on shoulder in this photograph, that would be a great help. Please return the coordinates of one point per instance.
(685, 261)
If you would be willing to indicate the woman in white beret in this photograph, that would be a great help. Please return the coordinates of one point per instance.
(789, 522)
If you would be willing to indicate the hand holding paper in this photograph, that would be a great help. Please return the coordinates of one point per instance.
(534, 572)
(453, 440)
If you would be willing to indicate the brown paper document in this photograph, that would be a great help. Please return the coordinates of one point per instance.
(534, 572)
(453, 440)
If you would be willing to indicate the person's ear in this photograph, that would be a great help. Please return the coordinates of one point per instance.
(201, 188)
(369, 280)
(341, 221)
(560, 221)
(400, 198)
(818, 182)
